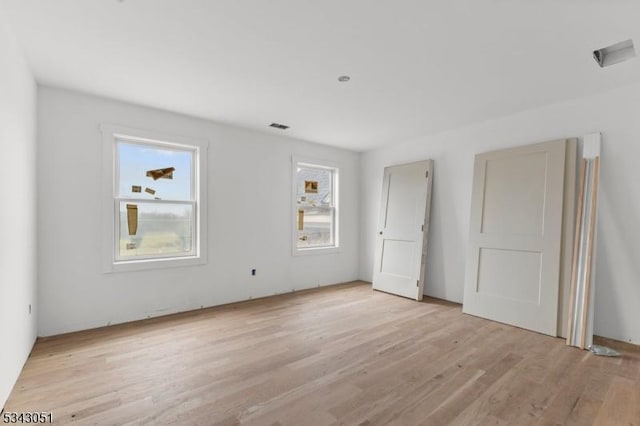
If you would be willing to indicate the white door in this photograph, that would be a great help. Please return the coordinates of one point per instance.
(513, 258)
(401, 243)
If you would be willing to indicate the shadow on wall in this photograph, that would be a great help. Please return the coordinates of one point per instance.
(447, 240)
(612, 270)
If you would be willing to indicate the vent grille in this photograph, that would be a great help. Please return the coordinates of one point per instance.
(279, 126)
(615, 53)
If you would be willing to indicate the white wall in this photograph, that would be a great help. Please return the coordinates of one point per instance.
(616, 114)
(249, 186)
(17, 211)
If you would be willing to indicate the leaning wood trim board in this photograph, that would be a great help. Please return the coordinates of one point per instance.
(576, 247)
(425, 233)
(580, 322)
(568, 225)
(590, 252)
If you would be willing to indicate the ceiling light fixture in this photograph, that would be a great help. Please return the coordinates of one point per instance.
(344, 78)
(615, 53)
(279, 126)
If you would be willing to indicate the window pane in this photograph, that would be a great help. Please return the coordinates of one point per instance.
(162, 229)
(314, 187)
(317, 226)
(136, 160)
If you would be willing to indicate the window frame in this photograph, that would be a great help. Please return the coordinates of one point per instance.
(334, 167)
(111, 199)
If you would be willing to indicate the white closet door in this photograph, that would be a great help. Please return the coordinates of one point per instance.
(513, 258)
(402, 228)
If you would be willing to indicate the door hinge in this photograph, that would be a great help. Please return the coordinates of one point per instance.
(422, 228)
(418, 283)
(427, 174)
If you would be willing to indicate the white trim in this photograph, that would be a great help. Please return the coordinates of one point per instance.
(110, 240)
(335, 182)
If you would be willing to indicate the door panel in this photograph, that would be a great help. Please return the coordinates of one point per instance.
(510, 274)
(402, 227)
(397, 258)
(513, 258)
(514, 194)
(403, 208)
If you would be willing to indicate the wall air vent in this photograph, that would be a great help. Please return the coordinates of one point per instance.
(615, 53)
(279, 126)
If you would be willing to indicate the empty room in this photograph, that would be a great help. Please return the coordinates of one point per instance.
(319, 213)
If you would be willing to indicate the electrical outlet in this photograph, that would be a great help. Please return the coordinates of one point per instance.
(253, 272)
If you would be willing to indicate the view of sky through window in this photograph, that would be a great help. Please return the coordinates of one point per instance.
(135, 160)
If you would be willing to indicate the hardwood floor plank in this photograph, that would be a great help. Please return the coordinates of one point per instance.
(621, 405)
(341, 355)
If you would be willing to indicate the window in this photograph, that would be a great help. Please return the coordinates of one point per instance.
(315, 207)
(153, 203)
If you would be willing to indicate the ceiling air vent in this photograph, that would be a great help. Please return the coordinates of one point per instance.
(279, 126)
(615, 53)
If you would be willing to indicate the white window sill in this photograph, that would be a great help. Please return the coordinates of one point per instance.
(316, 250)
(151, 264)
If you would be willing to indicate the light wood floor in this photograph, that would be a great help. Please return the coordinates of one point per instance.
(339, 355)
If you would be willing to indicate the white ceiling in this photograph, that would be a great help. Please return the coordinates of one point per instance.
(416, 66)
